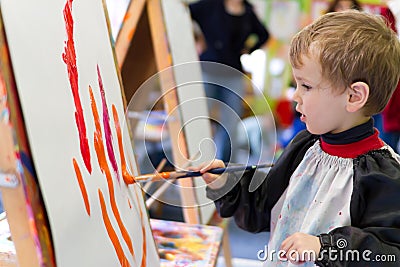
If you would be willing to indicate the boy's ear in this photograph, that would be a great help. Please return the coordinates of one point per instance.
(357, 96)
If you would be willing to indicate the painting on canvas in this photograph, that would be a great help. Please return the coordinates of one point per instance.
(70, 94)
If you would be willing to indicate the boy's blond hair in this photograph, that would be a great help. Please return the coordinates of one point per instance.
(352, 46)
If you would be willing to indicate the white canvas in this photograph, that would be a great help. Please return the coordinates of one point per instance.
(37, 38)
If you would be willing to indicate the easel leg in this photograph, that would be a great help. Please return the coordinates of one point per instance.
(226, 249)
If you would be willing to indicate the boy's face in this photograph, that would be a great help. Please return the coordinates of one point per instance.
(323, 109)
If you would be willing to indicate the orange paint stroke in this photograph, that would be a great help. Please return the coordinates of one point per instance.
(111, 232)
(129, 203)
(131, 33)
(144, 247)
(128, 178)
(82, 186)
(101, 158)
(127, 16)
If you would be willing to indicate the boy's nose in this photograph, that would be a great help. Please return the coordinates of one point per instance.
(296, 96)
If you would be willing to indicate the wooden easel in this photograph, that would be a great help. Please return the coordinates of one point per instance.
(150, 36)
(28, 244)
(144, 40)
(23, 202)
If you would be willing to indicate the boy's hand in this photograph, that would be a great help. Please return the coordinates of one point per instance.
(298, 248)
(214, 181)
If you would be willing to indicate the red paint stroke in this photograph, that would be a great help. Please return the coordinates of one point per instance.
(101, 157)
(82, 186)
(107, 128)
(128, 178)
(69, 57)
(111, 232)
(144, 245)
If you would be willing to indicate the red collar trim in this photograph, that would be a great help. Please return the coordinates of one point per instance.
(355, 149)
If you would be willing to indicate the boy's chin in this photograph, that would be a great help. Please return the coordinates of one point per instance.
(315, 131)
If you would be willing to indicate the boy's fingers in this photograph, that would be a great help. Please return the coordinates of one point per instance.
(215, 181)
(199, 167)
(208, 177)
(193, 168)
(212, 165)
(208, 165)
(286, 243)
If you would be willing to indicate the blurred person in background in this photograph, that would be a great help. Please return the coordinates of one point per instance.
(226, 26)
(340, 5)
(391, 114)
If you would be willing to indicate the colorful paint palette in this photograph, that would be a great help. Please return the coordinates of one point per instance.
(186, 245)
(7, 249)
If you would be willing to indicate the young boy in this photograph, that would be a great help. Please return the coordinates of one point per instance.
(334, 192)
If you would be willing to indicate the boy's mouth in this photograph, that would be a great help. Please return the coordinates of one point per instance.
(303, 117)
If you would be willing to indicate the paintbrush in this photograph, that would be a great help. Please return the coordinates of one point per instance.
(185, 174)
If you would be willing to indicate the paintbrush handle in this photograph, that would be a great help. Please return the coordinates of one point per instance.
(186, 174)
(223, 170)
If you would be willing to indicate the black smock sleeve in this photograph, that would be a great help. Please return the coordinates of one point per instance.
(252, 210)
(374, 233)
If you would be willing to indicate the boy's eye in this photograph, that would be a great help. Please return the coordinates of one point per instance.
(306, 86)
